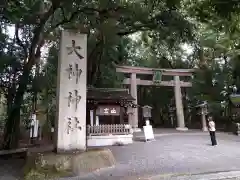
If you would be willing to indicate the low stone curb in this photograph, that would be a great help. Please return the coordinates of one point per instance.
(141, 137)
(202, 176)
(169, 134)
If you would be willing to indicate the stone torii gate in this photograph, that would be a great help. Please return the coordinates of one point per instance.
(133, 81)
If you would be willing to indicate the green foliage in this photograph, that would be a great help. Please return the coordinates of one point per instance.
(141, 33)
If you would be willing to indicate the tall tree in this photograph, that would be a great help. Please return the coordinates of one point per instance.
(36, 23)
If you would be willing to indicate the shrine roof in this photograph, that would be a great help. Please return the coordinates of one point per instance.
(108, 94)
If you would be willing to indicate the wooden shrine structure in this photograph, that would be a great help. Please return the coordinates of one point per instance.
(157, 75)
(109, 105)
(107, 116)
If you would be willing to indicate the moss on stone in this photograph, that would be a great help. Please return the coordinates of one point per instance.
(34, 170)
(93, 160)
(51, 165)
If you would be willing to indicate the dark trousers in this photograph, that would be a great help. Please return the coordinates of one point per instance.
(213, 138)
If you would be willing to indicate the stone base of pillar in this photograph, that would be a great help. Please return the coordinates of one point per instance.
(137, 130)
(181, 128)
(205, 129)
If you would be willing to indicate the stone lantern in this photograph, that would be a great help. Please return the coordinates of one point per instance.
(204, 108)
(171, 111)
(203, 111)
(148, 131)
(235, 112)
(147, 114)
(234, 89)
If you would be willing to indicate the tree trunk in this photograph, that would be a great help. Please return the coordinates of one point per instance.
(12, 131)
(12, 126)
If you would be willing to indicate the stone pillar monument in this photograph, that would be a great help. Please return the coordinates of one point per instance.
(70, 125)
(179, 105)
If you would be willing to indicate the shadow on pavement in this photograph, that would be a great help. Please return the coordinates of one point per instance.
(11, 169)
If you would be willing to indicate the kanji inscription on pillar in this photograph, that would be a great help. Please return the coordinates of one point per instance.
(75, 49)
(73, 124)
(71, 92)
(74, 72)
(78, 72)
(77, 99)
(69, 125)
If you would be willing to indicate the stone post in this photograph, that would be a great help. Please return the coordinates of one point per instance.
(179, 105)
(134, 116)
(129, 112)
(70, 124)
(204, 124)
(121, 115)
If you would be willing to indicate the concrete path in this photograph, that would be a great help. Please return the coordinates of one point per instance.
(172, 153)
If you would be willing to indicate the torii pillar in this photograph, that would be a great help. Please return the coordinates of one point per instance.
(179, 105)
(133, 89)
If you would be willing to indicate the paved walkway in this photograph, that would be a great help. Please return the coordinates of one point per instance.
(173, 153)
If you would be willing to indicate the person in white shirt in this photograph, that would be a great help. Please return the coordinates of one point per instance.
(212, 130)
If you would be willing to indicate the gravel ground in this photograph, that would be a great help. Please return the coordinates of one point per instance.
(176, 153)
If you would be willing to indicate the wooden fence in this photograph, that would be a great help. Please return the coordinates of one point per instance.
(107, 129)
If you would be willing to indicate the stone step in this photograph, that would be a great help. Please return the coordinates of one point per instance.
(17, 153)
(228, 175)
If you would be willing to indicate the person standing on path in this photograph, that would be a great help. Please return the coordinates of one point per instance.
(212, 130)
